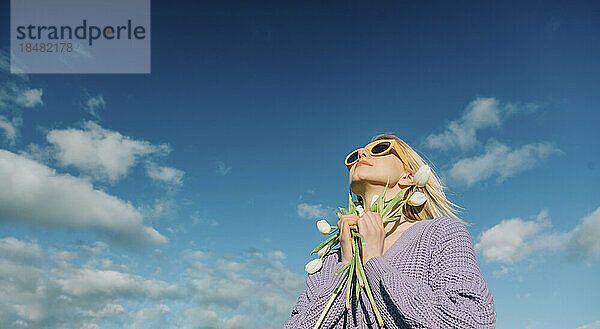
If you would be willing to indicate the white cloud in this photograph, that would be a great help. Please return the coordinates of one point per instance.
(88, 282)
(79, 53)
(584, 242)
(14, 96)
(313, 211)
(15, 66)
(168, 175)
(162, 207)
(107, 310)
(38, 153)
(103, 153)
(177, 229)
(93, 104)
(513, 240)
(222, 169)
(54, 293)
(36, 193)
(80, 250)
(502, 272)
(479, 114)
(532, 324)
(10, 128)
(593, 325)
(251, 290)
(30, 98)
(16, 93)
(4, 61)
(18, 250)
(90, 326)
(151, 317)
(501, 161)
(197, 219)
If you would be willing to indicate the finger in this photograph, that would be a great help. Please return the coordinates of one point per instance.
(349, 216)
(372, 223)
(375, 218)
(345, 223)
(344, 228)
(378, 219)
(376, 224)
(362, 224)
(348, 221)
(345, 238)
(368, 220)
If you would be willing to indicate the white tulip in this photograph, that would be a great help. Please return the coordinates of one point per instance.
(422, 176)
(314, 265)
(360, 210)
(417, 199)
(324, 226)
(323, 251)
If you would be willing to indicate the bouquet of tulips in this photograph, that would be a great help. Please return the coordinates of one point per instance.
(390, 211)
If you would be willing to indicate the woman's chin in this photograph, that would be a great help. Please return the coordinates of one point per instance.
(367, 180)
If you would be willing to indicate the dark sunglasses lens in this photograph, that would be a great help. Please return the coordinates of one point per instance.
(380, 148)
(352, 157)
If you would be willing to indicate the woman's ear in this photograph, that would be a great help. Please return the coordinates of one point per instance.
(407, 179)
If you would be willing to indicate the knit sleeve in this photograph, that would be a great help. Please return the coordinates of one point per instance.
(456, 295)
(313, 299)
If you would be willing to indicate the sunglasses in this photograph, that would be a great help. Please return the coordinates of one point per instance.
(378, 148)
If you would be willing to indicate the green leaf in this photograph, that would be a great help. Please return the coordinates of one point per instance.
(394, 202)
(343, 211)
(342, 269)
(324, 243)
(334, 242)
(382, 200)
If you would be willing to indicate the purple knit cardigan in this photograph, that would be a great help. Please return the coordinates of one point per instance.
(429, 278)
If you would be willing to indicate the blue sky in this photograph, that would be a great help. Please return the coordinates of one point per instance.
(187, 198)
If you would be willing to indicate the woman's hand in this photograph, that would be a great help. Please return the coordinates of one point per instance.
(345, 236)
(370, 225)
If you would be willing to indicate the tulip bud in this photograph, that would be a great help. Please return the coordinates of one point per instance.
(314, 265)
(417, 199)
(324, 226)
(324, 250)
(422, 176)
(360, 210)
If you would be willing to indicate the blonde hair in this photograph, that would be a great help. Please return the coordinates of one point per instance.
(437, 204)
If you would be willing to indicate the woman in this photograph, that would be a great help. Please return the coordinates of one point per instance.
(421, 269)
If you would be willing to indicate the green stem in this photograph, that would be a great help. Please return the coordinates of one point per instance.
(370, 295)
(349, 284)
(360, 280)
(359, 284)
